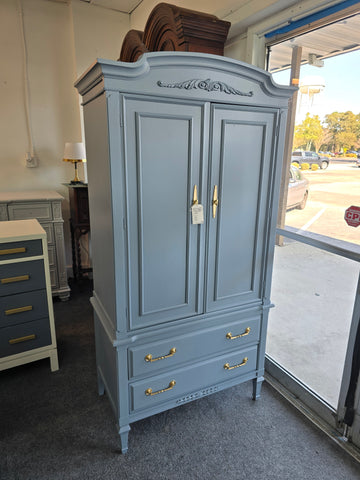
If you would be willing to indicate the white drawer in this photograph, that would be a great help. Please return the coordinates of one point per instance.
(22, 211)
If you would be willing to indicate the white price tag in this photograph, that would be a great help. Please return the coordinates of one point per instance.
(197, 214)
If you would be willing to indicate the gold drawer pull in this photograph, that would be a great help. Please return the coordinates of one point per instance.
(149, 357)
(150, 393)
(20, 278)
(10, 251)
(230, 337)
(11, 311)
(22, 339)
(244, 362)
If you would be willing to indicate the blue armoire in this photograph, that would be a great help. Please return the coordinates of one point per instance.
(184, 162)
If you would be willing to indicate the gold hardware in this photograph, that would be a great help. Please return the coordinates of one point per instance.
(150, 393)
(11, 311)
(10, 251)
(149, 357)
(22, 339)
(244, 362)
(20, 278)
(195, 196)
(230, 337)
(215, 201)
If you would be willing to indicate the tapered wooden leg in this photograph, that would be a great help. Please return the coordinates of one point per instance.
(124, 434)
(257, 383)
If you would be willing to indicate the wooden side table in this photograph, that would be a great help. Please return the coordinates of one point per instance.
(79, 223)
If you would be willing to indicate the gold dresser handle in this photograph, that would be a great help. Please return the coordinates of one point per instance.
(195, 200)
(244, 362)
(149, 357)
(150, 393)
(22, 339)
(10, 251)
(11, 311)
(20, 278)
(230, 337)
(215, 201)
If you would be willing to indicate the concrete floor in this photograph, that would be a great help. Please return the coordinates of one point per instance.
(313, 292)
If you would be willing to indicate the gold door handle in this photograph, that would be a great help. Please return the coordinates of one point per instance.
(231, 337)
(12, 341)
(215, 201)
(20, 278)
(150, 393)
(195, 200)
(11, 311)
(149, 357)
(10, 251)
(244, 362)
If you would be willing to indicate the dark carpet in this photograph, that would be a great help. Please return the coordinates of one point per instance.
(55, 426)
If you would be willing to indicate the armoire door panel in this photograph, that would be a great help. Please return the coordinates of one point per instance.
(241, 164)
(163, 161)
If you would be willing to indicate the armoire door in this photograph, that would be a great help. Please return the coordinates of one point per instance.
(241, 164)
(163, 163)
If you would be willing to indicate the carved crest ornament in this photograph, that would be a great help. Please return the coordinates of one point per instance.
(208, 85)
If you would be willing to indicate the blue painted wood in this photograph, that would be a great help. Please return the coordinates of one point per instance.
(241, 167)
(40, 329)
(163, 162)
(37, 300)
(33, 270)
(192, 346)
(154, 129)
(30, 248)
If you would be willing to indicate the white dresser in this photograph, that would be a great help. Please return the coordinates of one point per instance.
(45, 206)
(27, 329)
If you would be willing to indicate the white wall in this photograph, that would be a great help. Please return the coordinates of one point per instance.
(55, 57)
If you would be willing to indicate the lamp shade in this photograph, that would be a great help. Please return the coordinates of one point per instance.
(74, 151)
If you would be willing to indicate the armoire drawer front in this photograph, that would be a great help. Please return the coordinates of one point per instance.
(23, 307)
(177, 383)
(14, 250)
(150, 358)
(21, 277)
(23, 337)
(49, 229)
(21, 211)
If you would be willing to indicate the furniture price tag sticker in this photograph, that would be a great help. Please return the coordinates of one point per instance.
(197, 214)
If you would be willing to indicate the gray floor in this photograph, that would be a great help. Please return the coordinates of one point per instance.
(55, 426)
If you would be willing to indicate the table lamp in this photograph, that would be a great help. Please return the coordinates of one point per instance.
(75, 153)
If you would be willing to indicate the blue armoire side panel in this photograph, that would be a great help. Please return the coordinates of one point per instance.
(100, 203)
(163, 163)
(241, 163)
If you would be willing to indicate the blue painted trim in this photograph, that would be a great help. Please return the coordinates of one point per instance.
(312, 18)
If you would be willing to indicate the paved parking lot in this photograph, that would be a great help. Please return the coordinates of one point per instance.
(331, 192)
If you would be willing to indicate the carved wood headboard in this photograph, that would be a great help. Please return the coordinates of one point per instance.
(172, 28)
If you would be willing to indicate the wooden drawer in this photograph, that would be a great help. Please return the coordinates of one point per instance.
(42, 211)
(23, 307)
(21, 277)
(13, 250)
(191, 346)
(24, 337)
(177, 383)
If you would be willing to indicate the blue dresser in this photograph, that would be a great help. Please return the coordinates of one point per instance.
(27, 328)
(184, 163)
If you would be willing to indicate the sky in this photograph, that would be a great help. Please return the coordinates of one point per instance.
(341, 75)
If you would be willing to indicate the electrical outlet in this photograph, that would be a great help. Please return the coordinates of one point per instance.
(31, 161)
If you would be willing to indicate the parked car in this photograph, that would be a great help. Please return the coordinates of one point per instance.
(311, 158)
(298, 191)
